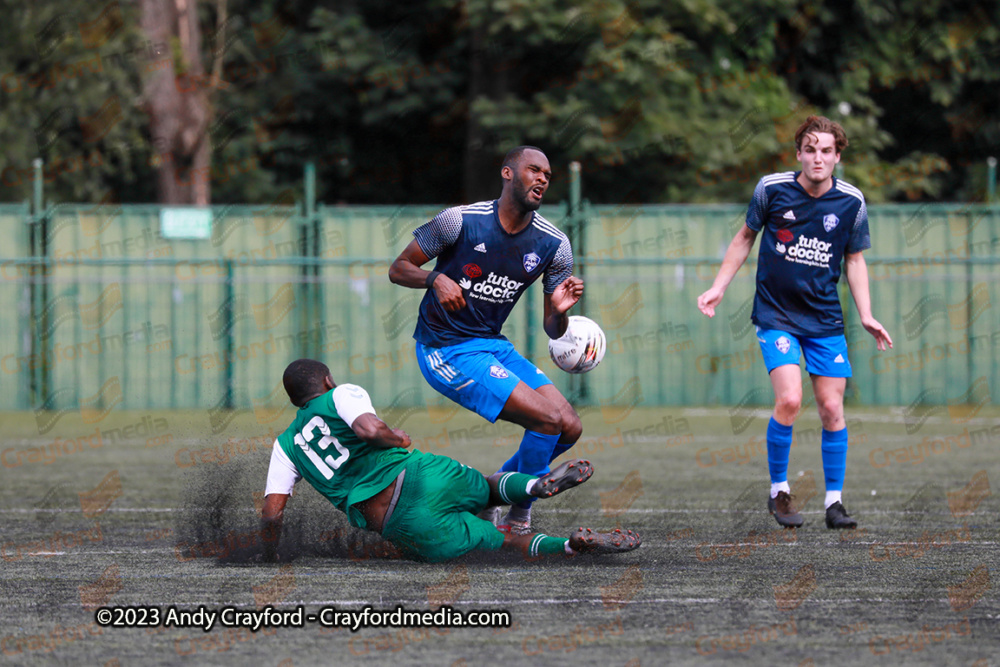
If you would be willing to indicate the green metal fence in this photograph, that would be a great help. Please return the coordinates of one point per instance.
(934, 275)
(104, 312)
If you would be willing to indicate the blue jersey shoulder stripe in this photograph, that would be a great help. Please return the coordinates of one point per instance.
(544, 224)
(538, 216)
(850, 189)
(551, 233)
(479, 207)
(544, 221)
(784, 177)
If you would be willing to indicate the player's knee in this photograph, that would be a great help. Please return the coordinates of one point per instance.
(549, 421)
(788, 404)
(830, 411)
(572, 428)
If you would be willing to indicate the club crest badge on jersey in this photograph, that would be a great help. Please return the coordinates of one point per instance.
(830, 222)
(531, 261)
(783, 345)
(498, 372)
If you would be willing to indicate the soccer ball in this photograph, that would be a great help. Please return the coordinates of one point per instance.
(581, 348)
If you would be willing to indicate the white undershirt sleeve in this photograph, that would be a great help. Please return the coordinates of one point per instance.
(352, 401)
(282, 473)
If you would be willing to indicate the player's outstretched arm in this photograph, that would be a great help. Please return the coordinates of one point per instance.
(374, 431)
(857, 277)
(565, 296)
(406, 271)
(736, 254)
(270, 524)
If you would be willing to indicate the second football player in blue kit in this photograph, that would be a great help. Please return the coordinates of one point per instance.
(810, 222)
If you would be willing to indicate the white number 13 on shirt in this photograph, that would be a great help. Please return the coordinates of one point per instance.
(328, 463)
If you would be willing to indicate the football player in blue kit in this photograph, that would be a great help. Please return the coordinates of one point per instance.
(811, 222)
(488, 254)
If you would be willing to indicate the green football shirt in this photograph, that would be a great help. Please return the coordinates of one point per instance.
(332, 458)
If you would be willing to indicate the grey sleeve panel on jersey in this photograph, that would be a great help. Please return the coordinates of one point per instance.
(440, 232)
(757, 211)
(559, 269)
(860, 237)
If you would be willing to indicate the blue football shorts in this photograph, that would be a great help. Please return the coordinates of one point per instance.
(478, 374)
(826, 357)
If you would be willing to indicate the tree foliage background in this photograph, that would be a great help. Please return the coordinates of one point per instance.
(687, 101)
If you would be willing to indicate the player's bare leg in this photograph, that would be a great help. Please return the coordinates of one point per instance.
(571, 428)
(830, 403)
(543, 423)
(529, 408)
(787, 384)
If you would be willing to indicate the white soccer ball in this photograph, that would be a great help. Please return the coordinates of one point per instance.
(581, 348)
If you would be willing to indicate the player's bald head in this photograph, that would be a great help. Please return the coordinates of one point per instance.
(513, 156)
(305, 379)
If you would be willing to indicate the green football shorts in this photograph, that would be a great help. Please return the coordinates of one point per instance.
(435, 516)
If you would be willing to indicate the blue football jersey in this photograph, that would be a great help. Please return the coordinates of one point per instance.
(492, 267)
(801, 251)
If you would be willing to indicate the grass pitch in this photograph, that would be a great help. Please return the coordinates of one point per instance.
(137, 508)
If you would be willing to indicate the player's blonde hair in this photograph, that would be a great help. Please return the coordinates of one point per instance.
(816, 124)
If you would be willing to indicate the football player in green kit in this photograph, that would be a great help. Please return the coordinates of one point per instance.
(425, 504)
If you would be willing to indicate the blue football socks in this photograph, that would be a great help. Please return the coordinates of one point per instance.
(779, 446)
(532, 456)
(834, 448)
(560, 449)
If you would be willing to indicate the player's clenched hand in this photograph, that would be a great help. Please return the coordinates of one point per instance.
(404, 436)
(709, 300)
(449, 294)
(882, 340)
(567, 294)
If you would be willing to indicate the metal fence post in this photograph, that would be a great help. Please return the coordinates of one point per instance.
(228, 344)
(578, 227)
(991, 179)
(39, 297)
(314, 346)
(309, 271)
(575, 225)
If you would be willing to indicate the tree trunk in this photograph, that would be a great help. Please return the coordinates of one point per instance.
(178, 104)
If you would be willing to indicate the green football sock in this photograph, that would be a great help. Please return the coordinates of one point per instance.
(547, 546)
(513, 487)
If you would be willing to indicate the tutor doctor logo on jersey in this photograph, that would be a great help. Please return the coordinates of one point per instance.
(495, 289)
(805, 250)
